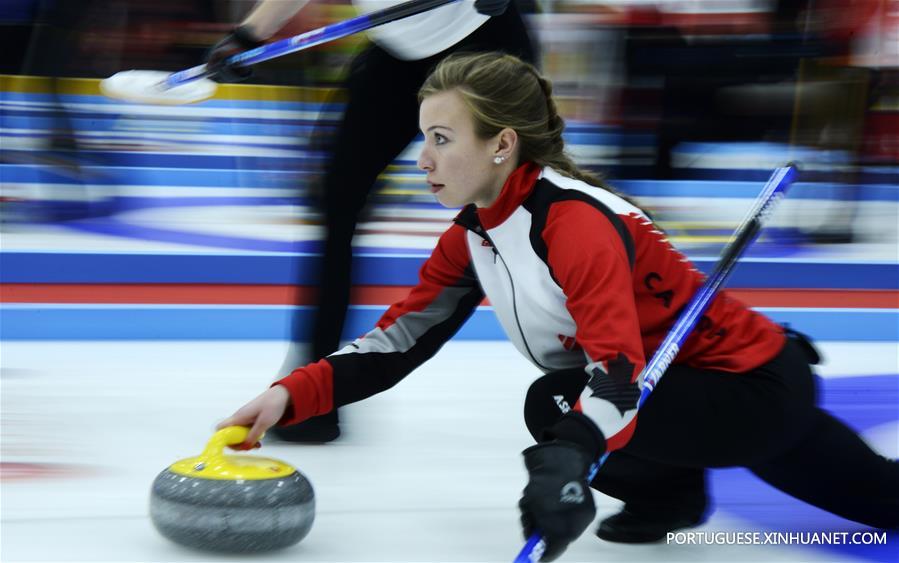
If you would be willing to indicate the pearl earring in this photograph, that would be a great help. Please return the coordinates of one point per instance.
(498, 159)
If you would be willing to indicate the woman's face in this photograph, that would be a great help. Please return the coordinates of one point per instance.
(460, 165)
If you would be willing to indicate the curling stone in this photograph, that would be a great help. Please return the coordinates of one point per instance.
(232, 503)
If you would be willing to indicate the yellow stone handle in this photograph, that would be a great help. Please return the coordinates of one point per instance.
(227, 436)
(213, 463)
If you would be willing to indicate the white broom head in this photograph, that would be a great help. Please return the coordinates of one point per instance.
(148, 87)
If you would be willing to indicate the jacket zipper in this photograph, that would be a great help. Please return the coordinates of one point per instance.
(483, 234)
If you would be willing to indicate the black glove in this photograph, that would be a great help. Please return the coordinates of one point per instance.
(557, 501)
(238, 41)
(491, 7)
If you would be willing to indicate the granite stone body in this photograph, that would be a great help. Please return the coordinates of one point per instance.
(234, 516)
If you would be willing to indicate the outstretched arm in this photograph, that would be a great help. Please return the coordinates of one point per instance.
(406, 336)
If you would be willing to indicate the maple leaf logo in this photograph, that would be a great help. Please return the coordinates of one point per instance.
(616, 385)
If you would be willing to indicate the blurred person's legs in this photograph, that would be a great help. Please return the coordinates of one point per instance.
(50, 54)
(831, 103)
(380, 120)
(754, 90)
(55, 52)
(52, 49)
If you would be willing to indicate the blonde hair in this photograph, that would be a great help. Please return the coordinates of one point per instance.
(502, 91)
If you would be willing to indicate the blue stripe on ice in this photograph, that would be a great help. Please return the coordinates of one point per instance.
(378, 267)
(265, 322)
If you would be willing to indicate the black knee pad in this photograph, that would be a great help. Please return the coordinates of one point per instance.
(802, 380)
(811, 353)
(803, 349)
(792, 388)
(550, 397)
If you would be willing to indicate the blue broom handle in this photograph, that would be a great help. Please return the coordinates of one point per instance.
(311, 38)
(742, 238)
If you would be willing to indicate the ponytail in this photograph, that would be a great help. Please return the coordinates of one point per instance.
(557, 157)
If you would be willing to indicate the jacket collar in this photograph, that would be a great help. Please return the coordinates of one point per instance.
(517, 188)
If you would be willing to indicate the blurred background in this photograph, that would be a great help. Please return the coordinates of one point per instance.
(684, 105)
(711, 90)
(118, 218)
(142, 247)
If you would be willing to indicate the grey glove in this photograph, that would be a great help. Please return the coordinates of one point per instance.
(491, 7)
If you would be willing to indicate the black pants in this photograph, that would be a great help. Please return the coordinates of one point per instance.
(766, 420)
(380, 120)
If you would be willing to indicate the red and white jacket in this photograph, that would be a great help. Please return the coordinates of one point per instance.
(577, 276)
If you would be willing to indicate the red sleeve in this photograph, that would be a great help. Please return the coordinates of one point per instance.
(589, 261)
(311, 391)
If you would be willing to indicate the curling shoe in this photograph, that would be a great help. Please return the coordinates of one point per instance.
(316, 430)
(644, 527)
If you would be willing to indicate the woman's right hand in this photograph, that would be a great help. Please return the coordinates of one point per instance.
(259, 415)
